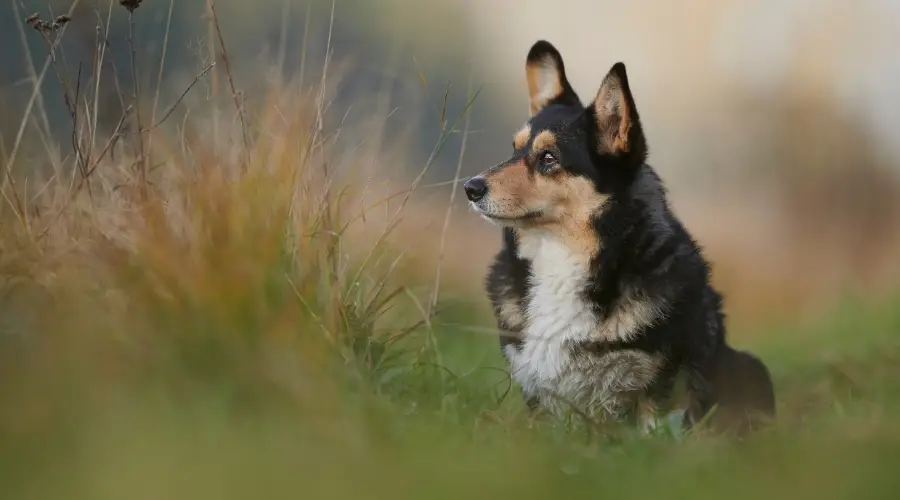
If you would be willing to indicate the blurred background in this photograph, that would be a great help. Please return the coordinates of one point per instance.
(772, 122)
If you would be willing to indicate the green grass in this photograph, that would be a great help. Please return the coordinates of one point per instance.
(427, 432)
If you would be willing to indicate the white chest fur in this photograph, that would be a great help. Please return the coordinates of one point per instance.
(555, 313)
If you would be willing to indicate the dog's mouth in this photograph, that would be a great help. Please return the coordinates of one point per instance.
(527, 216)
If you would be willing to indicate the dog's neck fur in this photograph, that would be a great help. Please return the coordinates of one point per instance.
(577, 243)
(558, 312)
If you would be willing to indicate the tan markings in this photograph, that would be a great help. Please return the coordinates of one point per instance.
(521, 137)
(543, 141)
(509, 310)
(628, 370)
(627, 318)
(613, 115)
(579, 202)
(544, 82)
(506, 185)
(646, 413)
(566, 204)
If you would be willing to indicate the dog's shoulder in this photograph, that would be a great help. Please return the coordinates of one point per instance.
(508, 273)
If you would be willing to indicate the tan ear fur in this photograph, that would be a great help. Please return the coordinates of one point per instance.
(615, 112)
(544, 82)
(545, 74)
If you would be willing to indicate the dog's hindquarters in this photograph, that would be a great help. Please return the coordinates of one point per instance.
(738, 389)
(734, 384)
(743, 390)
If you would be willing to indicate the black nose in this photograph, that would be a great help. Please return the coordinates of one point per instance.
(475, 188)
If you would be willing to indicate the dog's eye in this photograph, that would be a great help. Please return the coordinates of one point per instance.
(547, 158)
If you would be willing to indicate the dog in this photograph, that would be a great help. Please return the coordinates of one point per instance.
(601, 295)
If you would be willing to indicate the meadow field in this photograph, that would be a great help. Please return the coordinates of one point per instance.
(230, 283)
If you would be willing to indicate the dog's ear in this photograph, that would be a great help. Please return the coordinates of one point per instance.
(618, 124)
(546, 77)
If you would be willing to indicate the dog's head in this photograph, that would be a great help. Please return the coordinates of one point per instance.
(568, 159)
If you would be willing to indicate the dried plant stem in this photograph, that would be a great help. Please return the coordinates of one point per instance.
(282, 39)
(214, 80)
(32, 71)
(392, 221)
(320, 125)
(453, 190)
(180, 98)
(52, 35)
(119, 132)
(109, 143)
(159, 76)
(211, 4)
(99, 58)
(141, 164)
(9, 180)
(36, 91)
(302, 72)
(112, 139)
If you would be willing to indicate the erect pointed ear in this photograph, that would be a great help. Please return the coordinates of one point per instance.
(546, 76)
(618, 124)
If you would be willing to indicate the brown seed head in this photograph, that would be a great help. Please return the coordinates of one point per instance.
(43, 26)
(46, 27)
(131, 5)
